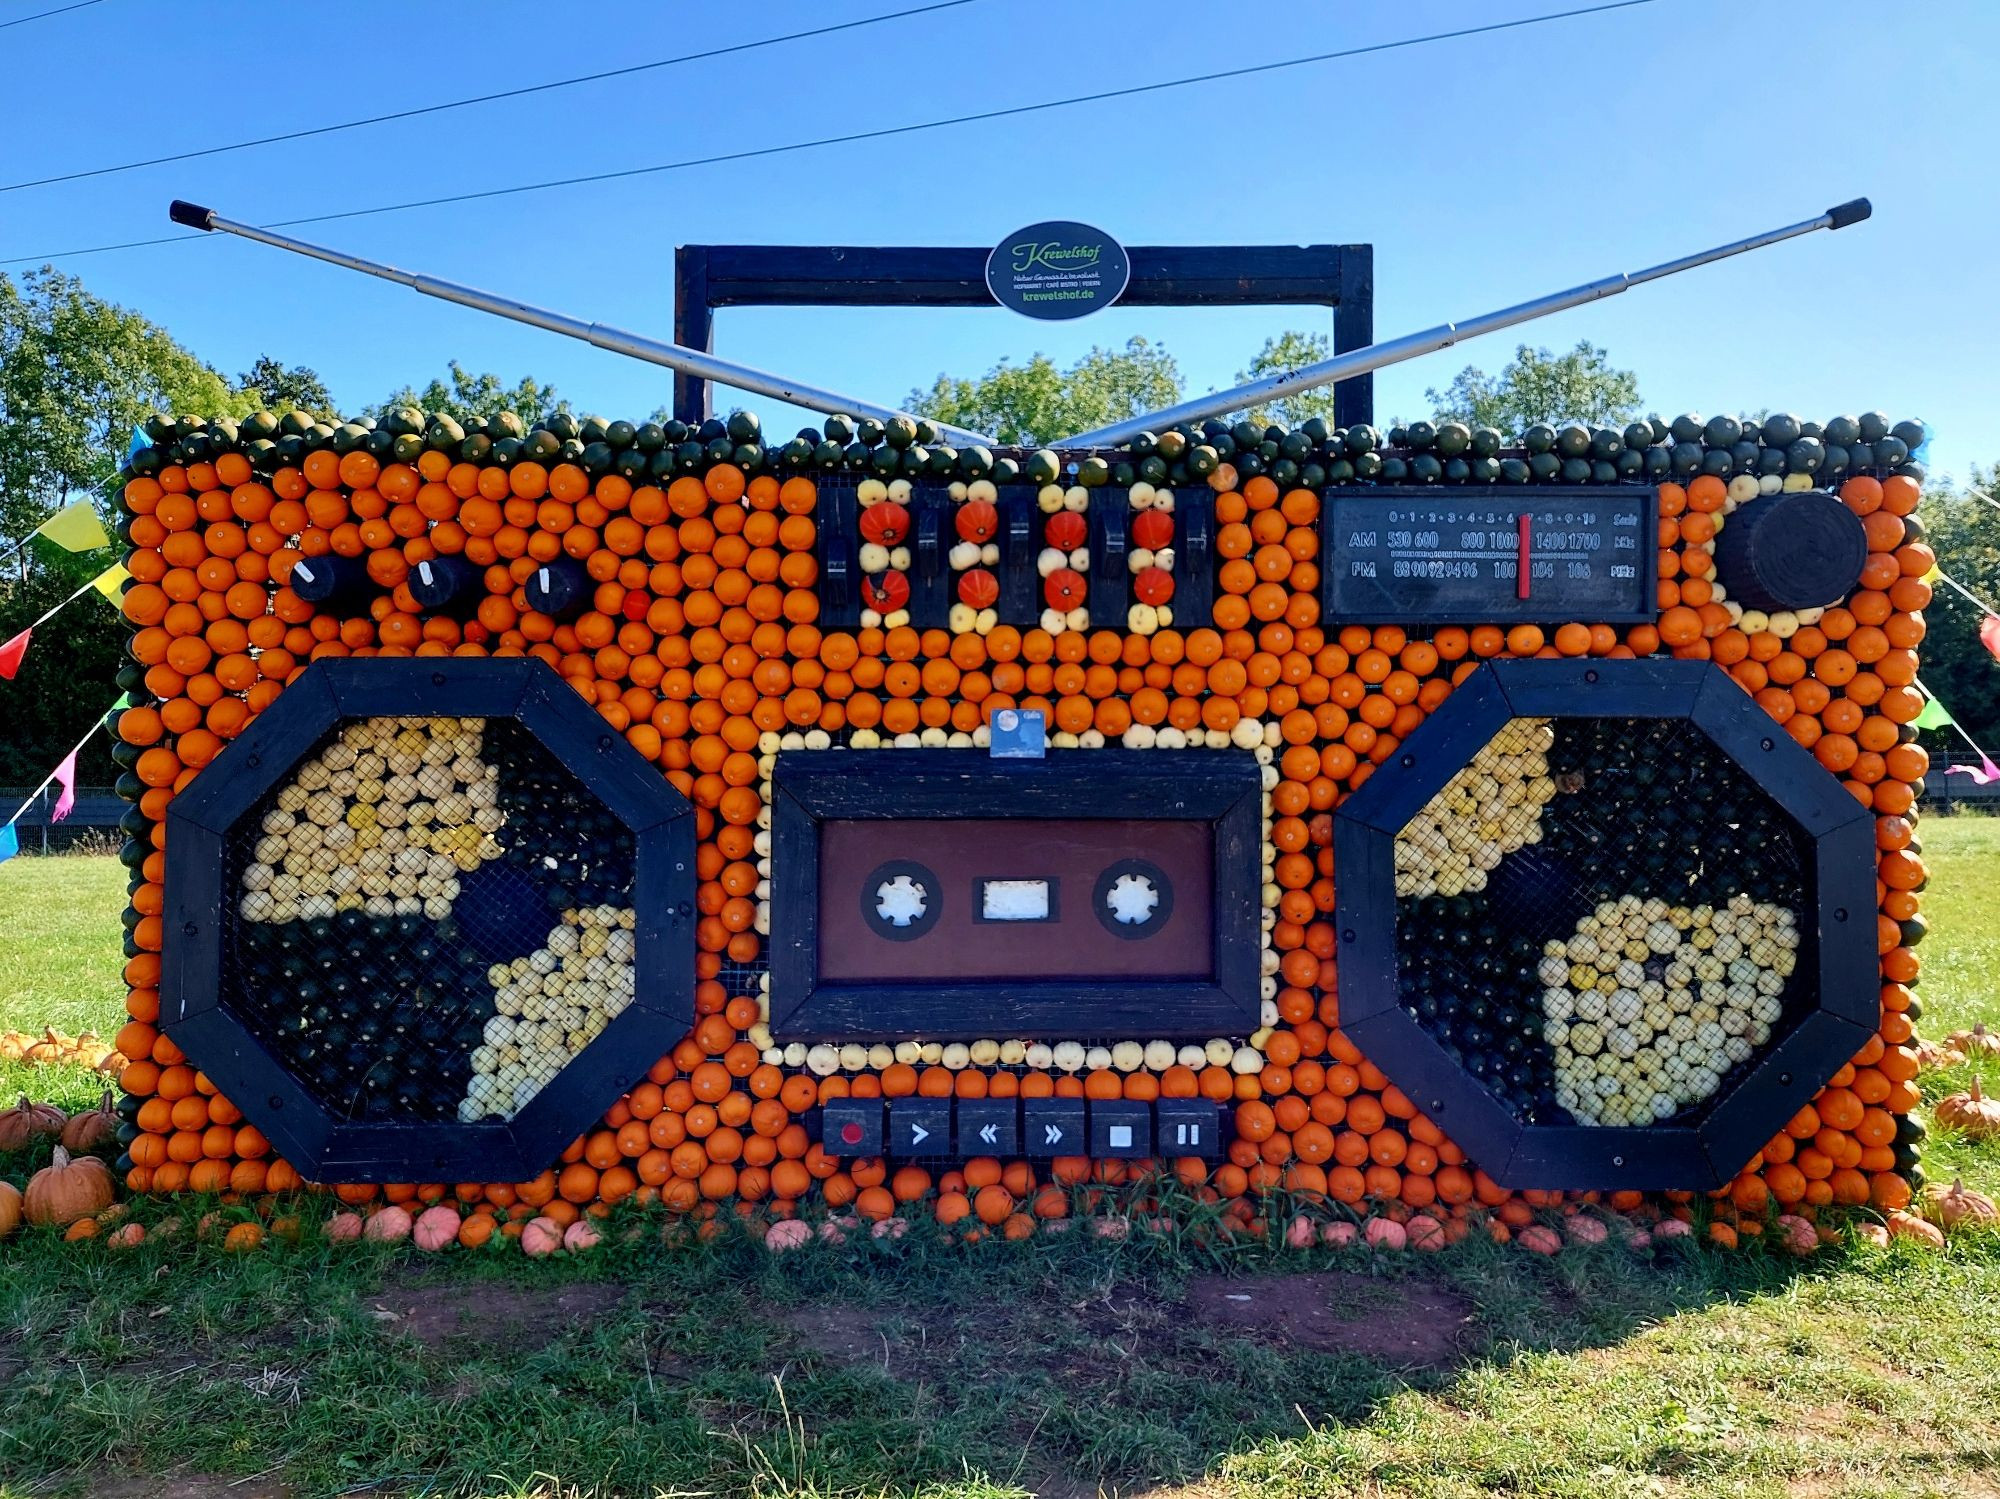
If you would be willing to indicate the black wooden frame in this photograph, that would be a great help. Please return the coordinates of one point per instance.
(200, 918)
(1220, 787)
(1842, 983)
(706, 277)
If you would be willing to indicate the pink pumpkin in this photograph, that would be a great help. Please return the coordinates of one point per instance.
(1110, 1228)
(786, 1235)
(1338, 1235)
(541, 1238)
(1299, 1234)
(344, 1228)
(1385, 1233)
(436, 1228)
(582, 1235)
(1672, 1228)
(1872, 1233)
(833, 1231)
(1584, 1229)
(1796, 1236)
(1057, 1225)
(1638, 1241)
(1539, 1238)
(1162, 1225)
(387, 1226)
(1425, 1232)
(127, 1236)
(890, 1228)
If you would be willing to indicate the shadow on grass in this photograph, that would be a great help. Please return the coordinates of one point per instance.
(1058, 1367)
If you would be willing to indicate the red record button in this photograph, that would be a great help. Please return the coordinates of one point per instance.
(852, 1127)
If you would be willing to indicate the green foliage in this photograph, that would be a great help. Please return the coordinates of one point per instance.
(1289, 351)
(467, 397)
(296, 389)
(1036, 403)
(1580, 386)
(77, 374)
(1964, 531)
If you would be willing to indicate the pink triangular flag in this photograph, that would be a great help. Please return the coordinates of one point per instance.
(1985, 773)
(1989, 635)
(12, 652)
(65, 778)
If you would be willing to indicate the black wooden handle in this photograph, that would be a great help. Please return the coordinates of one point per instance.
(1854, 212)
(191, 214)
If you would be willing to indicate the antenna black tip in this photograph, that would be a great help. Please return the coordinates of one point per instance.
(191, 214)
(1844, 214)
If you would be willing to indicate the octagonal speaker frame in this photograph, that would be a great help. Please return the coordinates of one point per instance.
(1752, 1106)
(199, 919)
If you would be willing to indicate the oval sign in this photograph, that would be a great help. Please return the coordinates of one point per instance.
(1057, 270)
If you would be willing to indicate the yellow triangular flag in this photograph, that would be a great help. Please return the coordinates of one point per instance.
(110, 581)
(75, 527)
(1933, 575)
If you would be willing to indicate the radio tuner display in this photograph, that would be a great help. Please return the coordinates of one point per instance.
(1451, 557)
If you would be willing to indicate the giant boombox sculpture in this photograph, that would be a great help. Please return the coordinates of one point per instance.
(599, 812)
(682, 887)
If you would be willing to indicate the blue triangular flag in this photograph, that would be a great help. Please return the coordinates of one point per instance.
(10, 843)
(140, 442)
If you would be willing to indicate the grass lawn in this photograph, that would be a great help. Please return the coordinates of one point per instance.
(1050, 1368)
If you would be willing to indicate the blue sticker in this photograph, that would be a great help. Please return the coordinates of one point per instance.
(1019, 734)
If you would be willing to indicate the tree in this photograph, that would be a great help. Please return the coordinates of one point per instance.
(1289, 351)
(1580, 386)
(1035, 403)
(77, 374)
(294, 389)
(471, 397)
(1964, 530)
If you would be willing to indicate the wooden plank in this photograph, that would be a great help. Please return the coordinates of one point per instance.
(694, 328)
(1354, 328)
(955, 276)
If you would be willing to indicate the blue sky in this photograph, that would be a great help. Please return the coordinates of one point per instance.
(1484, 171)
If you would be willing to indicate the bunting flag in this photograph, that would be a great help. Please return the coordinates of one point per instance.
(1989, 635)
(64, 775)
(1985, 773)
(1934, 716)
(107, 583)
(76, 527)
(66, 778)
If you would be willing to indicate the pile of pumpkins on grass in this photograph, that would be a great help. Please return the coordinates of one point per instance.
(76, 1185)
(52, 1048)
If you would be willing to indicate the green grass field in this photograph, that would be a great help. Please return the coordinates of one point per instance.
(1061, 1367)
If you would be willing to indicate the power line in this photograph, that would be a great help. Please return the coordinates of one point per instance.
(43, 15)
(879, 134)
(512, 93)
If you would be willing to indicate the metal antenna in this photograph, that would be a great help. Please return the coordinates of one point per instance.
(1411, 345)
(633, 345)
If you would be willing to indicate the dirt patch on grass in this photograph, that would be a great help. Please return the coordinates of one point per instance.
(490, 1313)
(851, 1335)
(1405, 1323)
(180, 1485)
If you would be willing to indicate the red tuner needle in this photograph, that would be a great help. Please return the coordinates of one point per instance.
(1521, 571)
